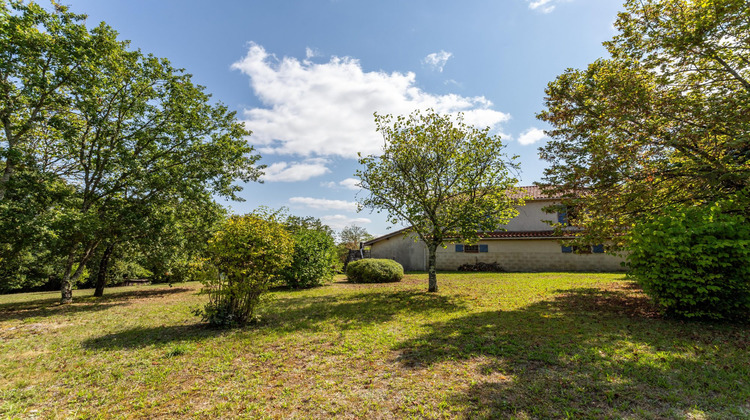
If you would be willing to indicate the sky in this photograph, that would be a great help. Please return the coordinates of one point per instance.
(307, 76)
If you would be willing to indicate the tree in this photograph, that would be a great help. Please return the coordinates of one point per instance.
(662, 122)
(351, 236)
(445, 178)
(42, 54)
(127, 131)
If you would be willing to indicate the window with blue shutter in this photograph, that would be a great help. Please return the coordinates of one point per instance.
(562, 217)
(484, 248)
(567, 249)
(598, 249)
(459, 248)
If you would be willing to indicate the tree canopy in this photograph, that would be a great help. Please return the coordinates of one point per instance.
(447, 179)
(664, 120)
(120, 136)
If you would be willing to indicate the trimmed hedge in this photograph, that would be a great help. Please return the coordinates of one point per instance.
(373, 270)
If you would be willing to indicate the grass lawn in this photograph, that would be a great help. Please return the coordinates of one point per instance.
(551, 345)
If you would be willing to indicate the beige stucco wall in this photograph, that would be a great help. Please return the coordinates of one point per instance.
(412, 255)
(531, 217)
(528, 255)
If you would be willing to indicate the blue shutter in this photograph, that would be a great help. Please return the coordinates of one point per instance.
(484, 248)
(459, 248)
(567, 249)
(562, 217)
(598, 249)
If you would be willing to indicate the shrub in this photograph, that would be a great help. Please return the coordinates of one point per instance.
(314, 260)
(492, 267)
(694, 262)
(374, 270)
(245, 255)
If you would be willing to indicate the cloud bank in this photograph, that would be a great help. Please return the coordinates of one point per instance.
(295, 171)
(313, 109)
(324, 204)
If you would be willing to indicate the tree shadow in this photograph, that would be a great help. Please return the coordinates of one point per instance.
(292, 314)
(354, 310)
(81, 304)
(140, 337)
(591, 353)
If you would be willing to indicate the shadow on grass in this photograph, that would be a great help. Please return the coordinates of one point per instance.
(81, 304)
(354, 310)
(293, 314)
(591, 353)
(143, 337)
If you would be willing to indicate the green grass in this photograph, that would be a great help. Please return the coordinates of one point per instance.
(552, 345)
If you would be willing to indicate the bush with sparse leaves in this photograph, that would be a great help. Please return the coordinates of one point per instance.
(373, 270)
(245, 256)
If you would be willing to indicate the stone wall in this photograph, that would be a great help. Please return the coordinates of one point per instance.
(528, 255)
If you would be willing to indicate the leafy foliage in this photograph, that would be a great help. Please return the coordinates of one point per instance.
(245, 256)
(313, 262)
(445, 178)
(662, 121)
(120, 138)
(374, 270)
(694, 262)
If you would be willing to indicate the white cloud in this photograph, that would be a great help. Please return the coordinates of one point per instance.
(348, 183)
(324, 204)
(544, 6)
(327, 109)
(339, 221)
(531, 136)
(436, 61)
(310, 53)
(295, 171)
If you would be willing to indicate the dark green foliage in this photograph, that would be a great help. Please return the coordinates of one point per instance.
(694, 262)
(313, 262)
(373, 270)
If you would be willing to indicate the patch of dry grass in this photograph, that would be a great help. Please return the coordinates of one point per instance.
(547, 345)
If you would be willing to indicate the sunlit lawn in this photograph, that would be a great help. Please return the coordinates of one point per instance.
(488, 345)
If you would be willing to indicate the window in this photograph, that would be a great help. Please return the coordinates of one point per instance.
(596, 249)
(472, 248)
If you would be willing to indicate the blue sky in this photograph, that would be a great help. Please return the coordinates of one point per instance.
(306, 76)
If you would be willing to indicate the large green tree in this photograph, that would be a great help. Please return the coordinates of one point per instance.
(664, 120)
(127, 132)
(447, 179)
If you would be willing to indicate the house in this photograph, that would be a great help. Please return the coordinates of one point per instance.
(528, 243)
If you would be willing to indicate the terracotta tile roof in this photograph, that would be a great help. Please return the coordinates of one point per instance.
(522, 234)
(534, 192)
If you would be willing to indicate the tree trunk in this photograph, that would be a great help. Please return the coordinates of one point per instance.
(66, 286)
(68, 280)
(432, 288)
(101, 275)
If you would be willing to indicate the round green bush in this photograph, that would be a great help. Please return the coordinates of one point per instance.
(694, 262)
(373, 270)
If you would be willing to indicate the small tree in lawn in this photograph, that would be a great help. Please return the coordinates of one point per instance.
(245, 256)
(447, 179)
